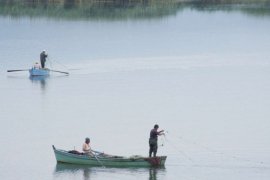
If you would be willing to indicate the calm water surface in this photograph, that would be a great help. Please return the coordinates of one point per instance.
(203, 76)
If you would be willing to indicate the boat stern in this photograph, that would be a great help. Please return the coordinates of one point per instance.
(156, 161)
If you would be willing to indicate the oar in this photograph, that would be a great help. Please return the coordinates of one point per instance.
(98, 160)
(17, 70)
(59, 71)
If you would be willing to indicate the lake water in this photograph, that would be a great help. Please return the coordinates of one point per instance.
(202, 75)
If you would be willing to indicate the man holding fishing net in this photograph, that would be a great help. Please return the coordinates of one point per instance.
(153, 140)
(43, 56)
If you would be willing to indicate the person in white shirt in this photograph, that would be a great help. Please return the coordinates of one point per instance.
(86, 147)
(37, 65)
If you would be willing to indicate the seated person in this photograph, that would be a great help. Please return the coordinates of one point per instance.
(86, 147)
(37, 65)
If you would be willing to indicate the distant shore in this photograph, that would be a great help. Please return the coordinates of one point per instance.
(124, 9)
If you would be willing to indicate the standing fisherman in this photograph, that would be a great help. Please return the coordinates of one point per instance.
(153, 140)
(43, 56)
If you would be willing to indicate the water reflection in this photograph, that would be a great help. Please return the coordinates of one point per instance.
(74, 9)
(68, 4)
(40, 80)
(152, 174)
(122, 9)
(63, 169)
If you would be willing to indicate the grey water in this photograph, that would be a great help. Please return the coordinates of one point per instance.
(202, 74)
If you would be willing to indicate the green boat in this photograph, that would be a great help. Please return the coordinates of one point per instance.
(101, 159)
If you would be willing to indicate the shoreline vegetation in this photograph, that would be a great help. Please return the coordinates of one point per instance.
(125, 9)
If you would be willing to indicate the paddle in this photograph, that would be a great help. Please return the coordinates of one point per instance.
(17, 70)
(59, 71)
(98, 160)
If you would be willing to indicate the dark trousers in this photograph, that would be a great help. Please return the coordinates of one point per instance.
(42, 62)
(153, 146)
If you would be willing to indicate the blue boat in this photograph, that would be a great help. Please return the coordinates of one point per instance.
(39, 72)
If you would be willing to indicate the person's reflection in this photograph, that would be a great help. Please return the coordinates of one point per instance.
(65, 169)
(86, 173)
(152, 174)
(40, 80)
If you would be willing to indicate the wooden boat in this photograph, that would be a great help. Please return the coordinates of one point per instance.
(39, 72)
(107, 160)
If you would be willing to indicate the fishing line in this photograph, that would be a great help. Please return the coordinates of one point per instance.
(181, 140)
(61, 64)
(162, 141)
(182, 144)
(50, 62)
(178, 150)
(217, 152)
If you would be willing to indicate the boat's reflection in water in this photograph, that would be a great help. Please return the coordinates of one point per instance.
(69, 169)
(41, 80)
(152, 173)
(85, 171)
